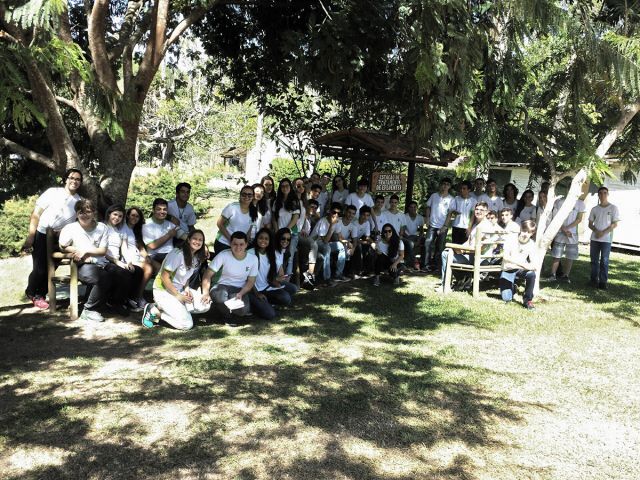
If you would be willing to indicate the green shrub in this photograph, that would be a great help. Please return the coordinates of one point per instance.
(144, 189)
(15, 214)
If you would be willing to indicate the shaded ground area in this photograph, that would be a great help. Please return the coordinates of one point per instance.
(381, 384)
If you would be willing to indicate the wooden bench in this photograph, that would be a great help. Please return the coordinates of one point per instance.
(56, 259)
(492, 261)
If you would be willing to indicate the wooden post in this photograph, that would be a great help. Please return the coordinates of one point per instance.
(410, 179)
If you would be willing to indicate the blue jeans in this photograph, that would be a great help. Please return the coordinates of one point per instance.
(324, 252)
(293, 246)
(600, 262)
(455, 257)
(508, 284)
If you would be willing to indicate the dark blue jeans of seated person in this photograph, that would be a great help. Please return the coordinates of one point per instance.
(508, 284)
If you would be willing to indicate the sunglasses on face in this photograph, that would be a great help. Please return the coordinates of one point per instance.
(335, 213)
(246, 195)
(285, 239)
(387, 231)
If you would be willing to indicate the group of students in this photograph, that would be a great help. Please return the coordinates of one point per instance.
(332, 235)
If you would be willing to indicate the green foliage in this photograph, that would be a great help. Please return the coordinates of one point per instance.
(145, 188)
(287, 168)
(15, 213)
(36, 13)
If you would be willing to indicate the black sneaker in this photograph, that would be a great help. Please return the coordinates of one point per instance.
(529, 305)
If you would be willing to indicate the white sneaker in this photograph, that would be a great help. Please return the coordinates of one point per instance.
(91, 316)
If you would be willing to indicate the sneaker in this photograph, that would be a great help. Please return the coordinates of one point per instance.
(376, 281)
(148, 318)
(120, 310)
(330, 283)
(341, 278)
(565, 279)
(602, 286)
(529, 305)
(133, 306)
(40, 302)
(552, 278)
(91, 316)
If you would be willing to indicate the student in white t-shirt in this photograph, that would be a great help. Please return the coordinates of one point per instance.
(138, 257)
(339, 191)
(363, 258)
(478, 189)
(347, 232)
(272, 286)
(518, 262)
(157, 235)
(526, 209)
(181, 213)
(389, 255)
(377, 211)
(324, 234)
(241, 216)
(286, 213)
(174, 301)
(121, 261)
(491, 197)
(231, 275)
(394, 216)
(510, 228)
(438, 212)
(261, 202)
(361, 197)
(87, 240)
(565, 244)
(603, 219)
(510, 198)
(413, 236)
(54, 209)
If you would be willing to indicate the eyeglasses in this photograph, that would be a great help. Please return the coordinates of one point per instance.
(246, 195)
(336, 213)
(285, 239)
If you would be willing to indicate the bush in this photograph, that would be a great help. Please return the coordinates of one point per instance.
(145, 189)
(15, 214)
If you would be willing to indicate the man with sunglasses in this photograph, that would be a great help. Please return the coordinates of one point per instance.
(323, 234)
(54, 209)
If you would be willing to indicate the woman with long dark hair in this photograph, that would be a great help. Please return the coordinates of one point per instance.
(269, 191)
(339, 191)
(286, 213)
(271, 287)
(389, 254)
(174, 300)
(526, 209)
(241, 216)
(137, 254)
(510, 198)
(262, 204)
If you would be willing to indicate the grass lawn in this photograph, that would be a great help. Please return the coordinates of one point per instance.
(352, 383)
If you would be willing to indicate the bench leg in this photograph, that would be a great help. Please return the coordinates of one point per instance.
(446, 284)
(476, 284)
(51, 286)
(73, 291)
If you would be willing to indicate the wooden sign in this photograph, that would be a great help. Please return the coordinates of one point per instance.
(388, 182)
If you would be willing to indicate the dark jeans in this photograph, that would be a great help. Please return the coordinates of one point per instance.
(37, 283)
(410, 244)
(100, 281)
(508, 284)
(264, 308)
(433, 247)
(383, 263)
(122, 281)
(459, 235)
(362, 259)
(600, 252)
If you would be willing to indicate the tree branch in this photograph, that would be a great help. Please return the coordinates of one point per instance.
(545, 154)
(124, 35)
(97, 46)
(28, 154)
(628, 112)
(195, 16)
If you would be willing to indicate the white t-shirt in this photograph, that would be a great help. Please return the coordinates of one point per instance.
(302, 218)
(519, 252)
(383, 247)
(285, 216)
(363, 229)
(340, 197)
(397, 220)
(356, 201)
(262, 282)
(322, 227)
(375, 221)
(230, 271)
(476, 196)
(578, 208)
(186, 215)
(513, 206)
(133, 253)
(179, 272)
(58, 209)
(235, 220)
(116, 238)
(440, 207)
(603, 217)
(494, 203)
(348, 232)
(527, 213)
(413, 225)
(465, 207)
(322, 200)
(74, 235)
(152, 231)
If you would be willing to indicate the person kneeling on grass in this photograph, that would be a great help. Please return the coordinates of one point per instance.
(174, 300)
(389, 255)
(517, 262)
(233, 274)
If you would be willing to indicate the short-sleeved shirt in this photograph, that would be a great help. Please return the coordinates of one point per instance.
(340, 197)
(115, 239)
(413, 225)
(76, 236)
(58, 209)
(230, 271)
(519, 252)
(578, 208)
(348, 232)
(133, 253)
(179, 272)
(397, 220)
(321, 228)
(285, 216)
(356, 201)
(262, 282)
(383, 247)
(186, 215)
(152, 231)
(235, 220)
(376, 220)
(440, 207)
(494, 203)
(465, 207)
(527, 213)
(603, 217)
(363, 229)
(513, 206)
